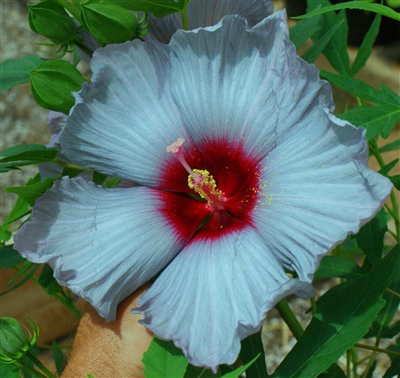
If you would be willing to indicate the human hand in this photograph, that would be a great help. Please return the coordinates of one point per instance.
(112, 350)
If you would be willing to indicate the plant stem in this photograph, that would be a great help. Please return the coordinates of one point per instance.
(289, 318)
(184, 19)
(395, 293)
(377, 349)
(39, 365)
(313, 305)
(24, 367)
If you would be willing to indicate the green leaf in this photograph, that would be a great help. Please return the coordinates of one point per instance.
(388, 167)
(48, 282)
(164, 359)
(98, 178)
(238, 372)
(365, 49)
(339, 322)
(30, 193)
(395, 181)
(16, 71)
(377, 8)
(371, 235)
(313, 52)
(394, 369)
(390, 146)
(52, 83)
(336, 266)
(9, 257)
(377, 120)
(252, 346)
(381, 324)
(336, 50)
(59, 358)
(303, 30)
(27, 271)
(38, 155)
(112, 182)
(9, 371)
(159, 8)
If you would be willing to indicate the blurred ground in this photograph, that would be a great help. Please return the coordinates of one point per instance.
(23, 121)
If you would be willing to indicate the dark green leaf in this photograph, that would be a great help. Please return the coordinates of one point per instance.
(365, 49)
(364, 5)
(194, 371)
(22, 148)
(164, 359)
(377, 120)
(48, 282)
(30, 193)
(371, 235)
(9, 371)
(334, 371)
(159, 8)
(388, 167)
(382, 322)
(313, 52)
(41, 155)
(9, 257)
(336, 50)
(394, 369)
(336, 266)
(98, 178)
(339, 322)
(252, 346)
(27, 271)
(16, 71)
(395, 181)
(52, 83)
(59, 358)
(303, 30)
(390, 146)
(238, 372)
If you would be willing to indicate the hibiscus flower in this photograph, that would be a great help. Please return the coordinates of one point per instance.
(243, 174)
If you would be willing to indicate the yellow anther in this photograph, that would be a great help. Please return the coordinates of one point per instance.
(205, 185)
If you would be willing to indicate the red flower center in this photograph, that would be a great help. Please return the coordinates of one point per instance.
(221, 190)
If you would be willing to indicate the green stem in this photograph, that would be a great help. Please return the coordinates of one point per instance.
(289, 318)
(39, 365)
(24, 367)
(395, 293)
(348, 363)
(184, 19)
(61, 298)
(313, 305)
(376, 349)
(70, 166)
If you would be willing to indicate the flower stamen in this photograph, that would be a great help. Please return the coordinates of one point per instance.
(200, 180)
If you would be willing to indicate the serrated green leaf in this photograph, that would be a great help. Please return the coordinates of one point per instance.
(313, 52)
(371, 235)
(252, 346)
(336, 266)
(377, 120)
(238, 372)
(16, 71)
(9, 257)
(339, 322)
(377, 8)
(303, 30)
(336, 50)
(159, 8)
(365, 49)
(390, 146)
(30, 193)
(164, 359)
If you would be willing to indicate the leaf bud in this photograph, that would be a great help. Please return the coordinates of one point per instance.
(108, 22)
(52, 83)
(49, 18)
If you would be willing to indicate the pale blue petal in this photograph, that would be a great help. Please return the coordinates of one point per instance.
(315, 189)
(102, 243)
(123, 121)
(243, 86)
(215, 293)
(202, 13)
